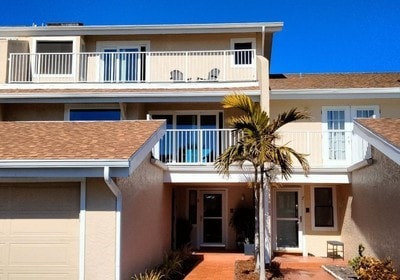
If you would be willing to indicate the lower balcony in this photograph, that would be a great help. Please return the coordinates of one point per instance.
(133, 66)
(333, 149)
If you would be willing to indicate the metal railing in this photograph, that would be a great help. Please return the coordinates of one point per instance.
(133, 67)
(203, 146)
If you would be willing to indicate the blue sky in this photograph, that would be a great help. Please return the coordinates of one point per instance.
(319, 36)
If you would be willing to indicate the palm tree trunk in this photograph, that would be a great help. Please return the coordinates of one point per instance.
(256, 224)
(261, 224)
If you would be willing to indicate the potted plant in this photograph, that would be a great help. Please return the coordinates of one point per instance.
(242, 221)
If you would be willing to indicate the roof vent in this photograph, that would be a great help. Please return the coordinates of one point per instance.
(64, 24)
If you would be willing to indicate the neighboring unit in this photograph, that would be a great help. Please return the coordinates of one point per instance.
(94, 90)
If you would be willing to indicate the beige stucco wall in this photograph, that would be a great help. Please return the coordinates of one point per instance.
(146, 219)
(315, 240)
(372, 215)
(6, 47)
(3, 60)
(234, 193)
(100, 231)
(179, 42)
(389, 107)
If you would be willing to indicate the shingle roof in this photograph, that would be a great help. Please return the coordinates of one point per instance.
(386, 128)
(74, 140)
(324, 81)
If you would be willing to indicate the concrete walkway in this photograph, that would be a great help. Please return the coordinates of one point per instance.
(221, 266)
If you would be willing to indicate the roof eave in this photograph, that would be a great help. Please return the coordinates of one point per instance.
(141, 29)
(335, 93)
(377, 141)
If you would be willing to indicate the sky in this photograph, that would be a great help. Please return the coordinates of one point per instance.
(318, 36)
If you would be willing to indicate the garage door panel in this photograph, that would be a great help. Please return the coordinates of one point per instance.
(41, 277)
(30, 199)
(44, 254)
(39, 231)
(45, 227)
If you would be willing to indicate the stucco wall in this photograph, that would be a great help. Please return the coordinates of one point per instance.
(233, 192)
(33, 112)
(100, 231)
(372, 215)
(146, 219)
(179, 42)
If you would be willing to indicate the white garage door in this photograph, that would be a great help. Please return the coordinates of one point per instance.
(39, 231)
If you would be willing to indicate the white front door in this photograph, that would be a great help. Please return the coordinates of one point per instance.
(212, 218)
(288, 220)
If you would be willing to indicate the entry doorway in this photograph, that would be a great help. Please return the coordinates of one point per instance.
(212, 231)
(288, 227)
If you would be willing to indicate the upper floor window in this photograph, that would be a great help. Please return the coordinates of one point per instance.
(92, 113)
(243, 54)
(54, 56)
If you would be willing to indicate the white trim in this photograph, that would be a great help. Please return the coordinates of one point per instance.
(378, 142)
(64, 163)
(118, 209)
(335, 93)
(82, 230)
(224, 218)
(346, 129)
(99, 106)
(75, 45)
(374, 108)
(243, 40)
(197, 113)
(210, 28)
(334, 205)
(101, 46)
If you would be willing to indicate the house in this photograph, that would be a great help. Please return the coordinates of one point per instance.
(55, 75)
(68, 73)
(372, 216)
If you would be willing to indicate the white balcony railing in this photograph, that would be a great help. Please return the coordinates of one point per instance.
(133, 67)
(203, 146)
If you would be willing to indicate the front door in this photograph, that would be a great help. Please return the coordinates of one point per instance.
(212, 218)
(288, 220)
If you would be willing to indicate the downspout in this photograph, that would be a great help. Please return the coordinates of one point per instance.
(118, 195)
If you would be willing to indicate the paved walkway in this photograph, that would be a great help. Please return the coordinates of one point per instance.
(221, 266)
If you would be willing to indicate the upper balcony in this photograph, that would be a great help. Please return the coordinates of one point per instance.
(339, 149)
(132, 66)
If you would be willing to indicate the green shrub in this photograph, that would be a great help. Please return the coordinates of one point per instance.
(153, 274)
(369, 268)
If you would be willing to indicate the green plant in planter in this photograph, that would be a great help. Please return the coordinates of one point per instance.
(242, 221)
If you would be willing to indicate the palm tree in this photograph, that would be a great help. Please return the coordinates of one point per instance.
(257, 135)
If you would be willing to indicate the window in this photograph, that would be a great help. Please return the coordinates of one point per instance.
(123, 61)
(324, 216)
(191, 136)
(54, 57)
(341, 146)
(94, 115)
(243, 51)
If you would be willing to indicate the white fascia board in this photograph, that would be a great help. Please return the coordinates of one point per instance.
(350, 93)
(61, 168)
(147, 97)
(66, 172)
(168, 86)
(208, 174)
(138, 157)
(62, 163)
(378, 142)
(140, 29)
